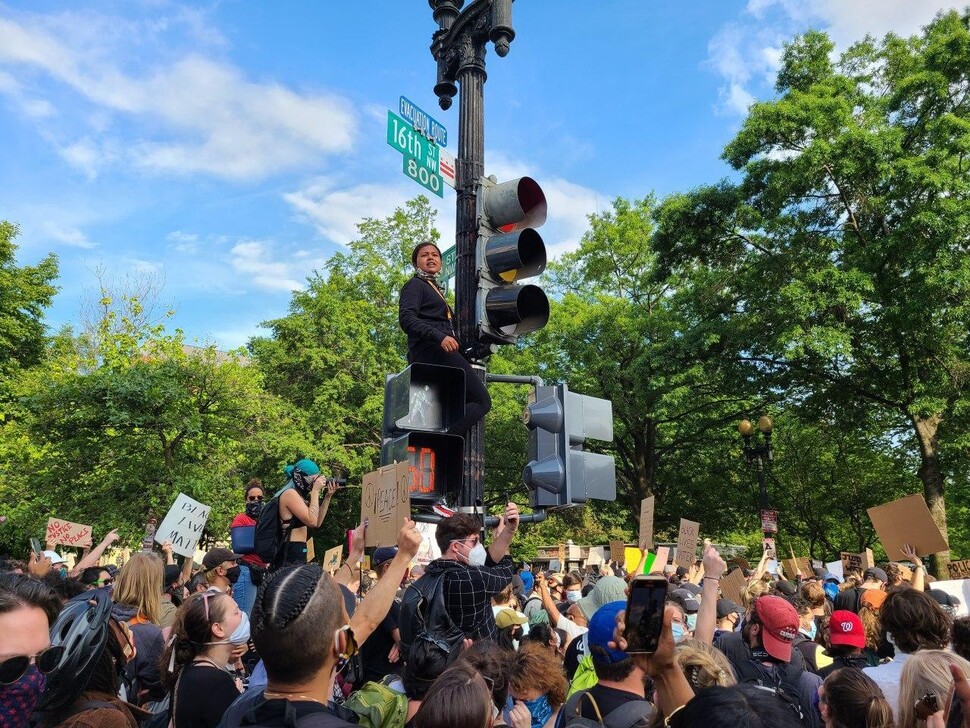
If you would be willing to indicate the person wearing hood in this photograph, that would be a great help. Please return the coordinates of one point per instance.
(431, 328)
(138, 602)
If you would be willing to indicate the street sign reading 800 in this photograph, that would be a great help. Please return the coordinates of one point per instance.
(420, 155)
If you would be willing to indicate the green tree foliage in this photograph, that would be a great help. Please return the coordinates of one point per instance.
(838, 262)
(25, 291)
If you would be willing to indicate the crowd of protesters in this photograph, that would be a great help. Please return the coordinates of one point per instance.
(475, 641)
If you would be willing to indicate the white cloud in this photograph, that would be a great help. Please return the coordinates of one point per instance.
(68, 235)
(257, 260)
(746, 52)
(196, 114)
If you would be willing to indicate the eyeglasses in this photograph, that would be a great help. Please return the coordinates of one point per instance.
(254, 498)
(14, 668)
(463, 540)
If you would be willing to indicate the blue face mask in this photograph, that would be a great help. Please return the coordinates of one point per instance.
(831, 590)
(678, 630)
(813, 631)
(539, 709)
(691, 622)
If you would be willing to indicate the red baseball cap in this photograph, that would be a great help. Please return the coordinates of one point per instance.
(846, 629)
(779, 625)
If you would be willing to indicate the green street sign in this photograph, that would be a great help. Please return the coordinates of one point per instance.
(420, 155)
(448, 261)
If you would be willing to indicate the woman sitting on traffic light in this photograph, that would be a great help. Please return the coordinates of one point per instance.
(430, 325)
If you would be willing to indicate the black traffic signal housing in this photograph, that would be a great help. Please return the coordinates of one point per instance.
(420, 405)
(559, 472)
(509, 249)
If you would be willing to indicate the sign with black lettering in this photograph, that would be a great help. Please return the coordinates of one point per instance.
(183, 525)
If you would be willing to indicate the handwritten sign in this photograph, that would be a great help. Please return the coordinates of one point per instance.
(67, 533)
(183, 525)
(792, 566)
(597, 556)
(769, 521)
(617, 552)
(907, 520)
(385, 500)
(687, 543)
(332, 558)
(959, 569)
(428, 551)
(646, 522)
(857, 562)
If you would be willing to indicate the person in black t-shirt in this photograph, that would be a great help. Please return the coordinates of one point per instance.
(621, 684)
(208, 626)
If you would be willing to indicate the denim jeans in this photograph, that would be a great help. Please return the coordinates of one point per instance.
(243, 590)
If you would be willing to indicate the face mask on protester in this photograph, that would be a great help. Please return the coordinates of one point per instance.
(233, 574)
(539, 709)
(19, 698)
(573, 595)
(678, 631)
(239, 636)
(691, 622)
(476, 557)
(813, 630)
(253, 508)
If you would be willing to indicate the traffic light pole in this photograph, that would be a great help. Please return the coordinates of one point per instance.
(459, 48)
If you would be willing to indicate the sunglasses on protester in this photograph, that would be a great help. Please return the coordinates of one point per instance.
(14, 668)
(254, 498)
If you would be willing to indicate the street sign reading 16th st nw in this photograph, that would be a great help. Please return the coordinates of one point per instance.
(420, 155)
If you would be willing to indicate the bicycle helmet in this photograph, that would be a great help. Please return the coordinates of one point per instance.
(82, 629)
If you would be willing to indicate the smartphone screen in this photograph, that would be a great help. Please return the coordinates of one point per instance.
(35, 546)
(645, 613)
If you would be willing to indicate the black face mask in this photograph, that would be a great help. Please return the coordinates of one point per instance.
(302, 484)
(253, 508)
(233, 574)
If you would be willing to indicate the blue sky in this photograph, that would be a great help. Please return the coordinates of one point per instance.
(224, 150)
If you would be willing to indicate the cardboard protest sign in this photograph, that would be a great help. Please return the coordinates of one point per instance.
(959, 569)
(907, 520)
(67, 533)
(738, 561)
(646, 522)
(183, 525)
(562, 553)
(385, 500)
(859, 562)
(631, 558)
(332, 558)
(617, 552)
(801, 563)
(596, 556)
(733, 584)
(687, 543)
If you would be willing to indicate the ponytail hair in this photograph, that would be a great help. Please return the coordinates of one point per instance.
(190, 632)
(856, 701)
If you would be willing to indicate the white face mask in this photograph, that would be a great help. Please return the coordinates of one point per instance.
(573, 596)
(476, 557)
(239, 636)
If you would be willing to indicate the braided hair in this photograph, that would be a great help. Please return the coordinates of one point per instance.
(297, 611)
(190, 632)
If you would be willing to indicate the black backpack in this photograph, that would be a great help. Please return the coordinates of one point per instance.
(270, 537)
(424, 614)
(783, 683)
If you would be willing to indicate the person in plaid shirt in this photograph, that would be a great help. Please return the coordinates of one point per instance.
(474, 574)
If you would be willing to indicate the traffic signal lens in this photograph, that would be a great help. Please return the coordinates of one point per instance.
(517, 309)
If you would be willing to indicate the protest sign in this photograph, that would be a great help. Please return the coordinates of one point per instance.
(959, 569)
(617, 552)
(631, 558)
(183, 525)
(768, 544)
(738, 561)
(646, 523)
(385, 500)
(733, 584)
(907, 520)
(67, 533)
(959, 588)
(857, 562)
(149, 538)
(332, 558)
(801, 563)
(655, 562)
(562, 553)
(555, 565)
(596, 556)
(687, 543)
(769, 521)
(835, 567)
(428, 551)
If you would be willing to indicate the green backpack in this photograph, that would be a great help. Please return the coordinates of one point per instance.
(378, 706)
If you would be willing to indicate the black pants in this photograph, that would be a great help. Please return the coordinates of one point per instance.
(477, 401)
